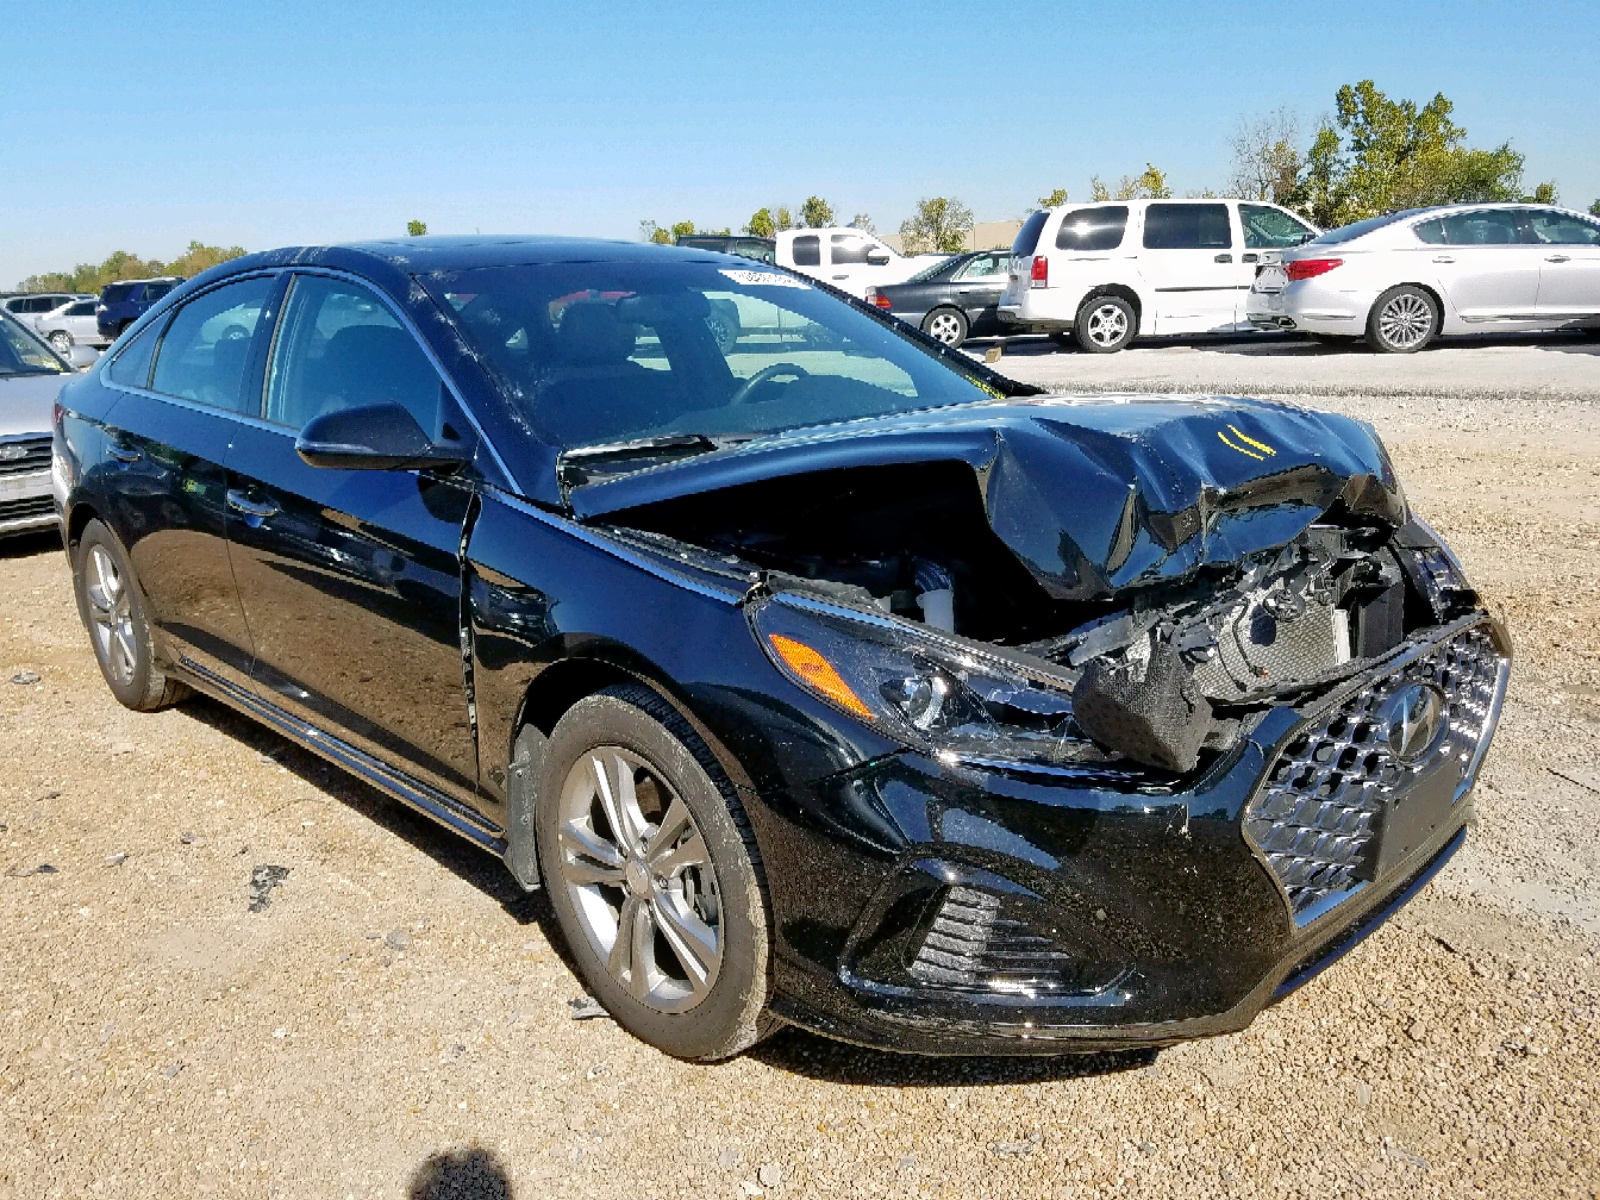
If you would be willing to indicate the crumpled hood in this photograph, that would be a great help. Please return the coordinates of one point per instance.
(1092, 494)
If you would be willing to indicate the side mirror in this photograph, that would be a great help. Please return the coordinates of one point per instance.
(376, 437)
(877, 256)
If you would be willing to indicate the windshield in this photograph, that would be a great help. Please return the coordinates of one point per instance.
(21, 354)
(597, 353)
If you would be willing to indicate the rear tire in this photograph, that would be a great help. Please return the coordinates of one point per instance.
(620, 768)
(1403, 320)
(61, 342)
(947, 325)
(113, 611)
(1105, 324)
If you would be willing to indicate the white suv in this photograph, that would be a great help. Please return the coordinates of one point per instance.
(1111, 271)
(851, 260)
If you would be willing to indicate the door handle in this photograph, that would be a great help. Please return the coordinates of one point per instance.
(841, 277)
(1558, 258)
(123, 454)
(1249, 258)
(260, 510)
(1442, 258)
(1223, 258)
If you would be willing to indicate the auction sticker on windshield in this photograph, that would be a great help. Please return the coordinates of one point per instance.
(765, 279)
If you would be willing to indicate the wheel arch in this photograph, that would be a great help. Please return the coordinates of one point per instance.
(1445, 311)
(1120, 290)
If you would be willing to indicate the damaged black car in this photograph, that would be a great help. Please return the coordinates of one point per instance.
(820, 674)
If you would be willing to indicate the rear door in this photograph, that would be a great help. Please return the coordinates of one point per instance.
(1569, 270)
(1191, 266)
(167, 438)
(978, 286)
(1485, 266)
(351, 579)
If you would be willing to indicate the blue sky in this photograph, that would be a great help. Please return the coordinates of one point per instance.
(139, 126)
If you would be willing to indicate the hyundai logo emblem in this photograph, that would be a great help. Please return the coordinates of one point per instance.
(13, 453)
(1411, 722)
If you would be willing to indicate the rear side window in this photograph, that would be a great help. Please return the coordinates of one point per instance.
(154, 291)
(760, 251)
(1486, 227)
(206, 351)
(1563, 229)
(116, 293)
(1093, 228)
(340, 347)
(1187, 227)
(83, 308)
(1268, 228)
(131, 367)
(1028, 235)
(808, 251)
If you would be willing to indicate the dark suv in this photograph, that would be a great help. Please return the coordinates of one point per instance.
(124, 302)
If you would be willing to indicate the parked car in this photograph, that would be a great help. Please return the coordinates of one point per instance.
(835, 680)
(1403, 279)
(1109, 272)
(848, 258)
(72, 324)
(28, 305)
(761, 249)
(951, 300)
(124, 302)
(31, 375)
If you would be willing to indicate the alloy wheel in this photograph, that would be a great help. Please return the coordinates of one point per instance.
(945, 327)
(1405, 321)
(1108, 324)
(111, 616)
(640, 879)
(61, 341)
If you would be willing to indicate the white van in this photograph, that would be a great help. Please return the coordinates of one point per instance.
(1111, 271)
(849, 259)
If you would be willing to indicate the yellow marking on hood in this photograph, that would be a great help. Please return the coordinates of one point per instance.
(1250, 441)
(1240, 449)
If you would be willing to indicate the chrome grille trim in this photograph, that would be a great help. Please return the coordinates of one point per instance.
(1315, 814)
(35, 455)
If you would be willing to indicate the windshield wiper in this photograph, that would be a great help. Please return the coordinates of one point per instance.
(583, 464)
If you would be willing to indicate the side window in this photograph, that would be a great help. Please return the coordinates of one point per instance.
(1486, 227)
(339, 346)
(1430, 232)
(848, 250)
(985, 266)
(1187, 227)
(1268, 228)
(131, 367)
(808, 251)
(206, 351)
(1563, 229)
(154, 291)
(83, 308)
(1093, 228)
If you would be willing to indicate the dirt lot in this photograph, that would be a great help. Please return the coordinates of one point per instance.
(395, 1021)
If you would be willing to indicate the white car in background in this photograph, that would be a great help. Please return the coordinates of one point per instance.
(1108, 272)
(72, 324)
(850, 259)
(31, 376)
(1403, 279)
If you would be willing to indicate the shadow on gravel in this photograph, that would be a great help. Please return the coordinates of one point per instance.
(815, 1057)
(472, 1174)
(26, 545)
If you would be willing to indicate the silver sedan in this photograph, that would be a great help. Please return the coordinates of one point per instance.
(31, 375)
(1403, 279)
(72, 324)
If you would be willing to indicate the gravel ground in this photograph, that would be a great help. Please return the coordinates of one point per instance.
(390, 1018)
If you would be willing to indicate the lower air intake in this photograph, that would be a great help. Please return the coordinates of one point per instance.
(971, 946)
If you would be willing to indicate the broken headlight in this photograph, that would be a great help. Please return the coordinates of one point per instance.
(935, 692)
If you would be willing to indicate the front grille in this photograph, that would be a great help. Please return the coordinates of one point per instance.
(33, 506)
(1316, 817)
(971, 946)
(35, 456)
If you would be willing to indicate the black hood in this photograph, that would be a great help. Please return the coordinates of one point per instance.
(1091, 494)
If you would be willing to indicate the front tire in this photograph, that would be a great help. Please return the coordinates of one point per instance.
(1402, 321)
(654, 875)
(61, 342)
(1105, 324)
(113, 611)
(947, 325)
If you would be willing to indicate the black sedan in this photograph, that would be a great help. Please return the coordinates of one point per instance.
(954, 299)
(823, 677)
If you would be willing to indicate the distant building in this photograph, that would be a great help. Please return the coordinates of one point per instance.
(985, 235)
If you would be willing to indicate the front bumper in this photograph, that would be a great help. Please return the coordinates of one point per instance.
(1037, 912)
(27, 502)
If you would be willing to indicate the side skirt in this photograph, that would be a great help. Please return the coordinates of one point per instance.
(429, 801)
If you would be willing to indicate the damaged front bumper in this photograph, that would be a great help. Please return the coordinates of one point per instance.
(1022, 910)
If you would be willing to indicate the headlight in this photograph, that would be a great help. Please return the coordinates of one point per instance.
(936, 693)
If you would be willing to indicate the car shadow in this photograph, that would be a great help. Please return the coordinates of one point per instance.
(27, 545)
(473, 1173)
(801, 1052)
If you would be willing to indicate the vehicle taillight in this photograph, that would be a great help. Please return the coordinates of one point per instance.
(881, 300)
(1310, 268)
(1040, 275)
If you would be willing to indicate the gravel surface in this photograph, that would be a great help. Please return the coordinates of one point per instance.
(228, 970)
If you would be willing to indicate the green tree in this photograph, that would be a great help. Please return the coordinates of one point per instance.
(940, 226)
(783, 219)
(864, 223)
(1594, 209)
(1266, 164)
(1379, 155)
(416, 228)
(682, 229)
(1543, 193)
(1151, 185)
(1097, 189)
(120, 264)
(649, 231)
(200, 257)
(1054, 200)
(761, 224)
(816, 213)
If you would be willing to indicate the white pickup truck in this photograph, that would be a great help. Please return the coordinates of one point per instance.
(850, 259)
